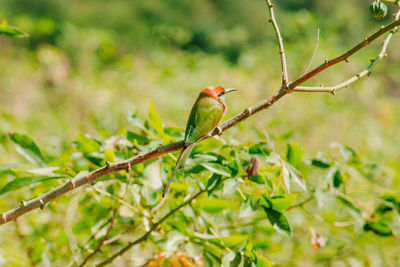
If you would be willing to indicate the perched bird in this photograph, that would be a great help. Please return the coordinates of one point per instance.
(206, 114)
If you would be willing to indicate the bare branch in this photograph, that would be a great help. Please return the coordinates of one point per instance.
(358, 76)
(343, 57)
(102, 242)
(313, 56)
(285, 78)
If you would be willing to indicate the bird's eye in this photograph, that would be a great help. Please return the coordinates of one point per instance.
(221, 94)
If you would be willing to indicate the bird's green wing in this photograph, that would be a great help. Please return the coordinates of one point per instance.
(206, 113)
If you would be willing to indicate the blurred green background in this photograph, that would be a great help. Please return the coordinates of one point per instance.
(87, 64)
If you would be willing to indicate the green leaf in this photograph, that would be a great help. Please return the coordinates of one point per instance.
(379, 228)
(392, 197)
(349, 204)
(321, 162)
(261, 148)
(247, 208)
(217, 168)
(230, 186)
(87, 144)
(273, 207)
(261, 261)
(25, 181)
(28, 149)
(155, 119)
(258, 179)
(141, 139)
(213, 182)
(278, 203)
(277, 219)
(294, 155)
(11, 30)
(230, 241)
(212, 205)
(337, 178)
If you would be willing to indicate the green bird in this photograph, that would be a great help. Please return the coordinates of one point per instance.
(206, 114)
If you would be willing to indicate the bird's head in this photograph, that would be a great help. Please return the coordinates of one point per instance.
(216, 92)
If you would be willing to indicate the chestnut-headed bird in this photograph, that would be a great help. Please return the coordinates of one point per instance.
(206, 114)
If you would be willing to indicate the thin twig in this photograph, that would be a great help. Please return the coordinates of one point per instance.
(344, 57)
(78, 181)
(358, 76)
(102, 242)
(313, 56)
(285, 78)
(154, 227)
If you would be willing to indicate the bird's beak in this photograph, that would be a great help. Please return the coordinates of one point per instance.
(228, 90)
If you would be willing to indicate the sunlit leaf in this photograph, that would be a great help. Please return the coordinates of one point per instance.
(230, 186)
(28, 149)
(337, 178)
(11, 30)
(213, 205)
(25, 181)
(217, 168)
(261, 261)
(213, 182)
(230, 241)
(155, 119)
(320, 161)
(294, 155)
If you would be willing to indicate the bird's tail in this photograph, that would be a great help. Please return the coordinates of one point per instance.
(179, 163)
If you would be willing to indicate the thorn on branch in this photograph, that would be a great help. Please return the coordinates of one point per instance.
(281, 52)
(128, 168)
(218, 130)
(326, 61)
(358, 75)
(366, 41)
(346, 59)
(41, 204)
(108, 164)
(23, 203)
(160, 148)
(333, 92)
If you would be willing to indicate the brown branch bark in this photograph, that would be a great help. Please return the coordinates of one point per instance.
(40, 201)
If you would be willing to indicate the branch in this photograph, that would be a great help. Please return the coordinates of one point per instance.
(102, 242)
(343, 57)
(358, 76)
(154, 227)
(40, 201)
(272, 20)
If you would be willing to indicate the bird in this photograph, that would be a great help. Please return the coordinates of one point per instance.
(207, 112)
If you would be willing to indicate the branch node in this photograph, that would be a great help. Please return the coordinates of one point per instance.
(326, 61)
(160, 148)
(369, 73)
(247, 112)
(23, 203)
(108, 164)
(41, 204)
(366, 41)
(346, 59)
(281, 52)
(333, 92)
(4, 217)
(270, 20)
(218, 130)
(128, 168)
(358, 75)
(72, 183)
(385, 54)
